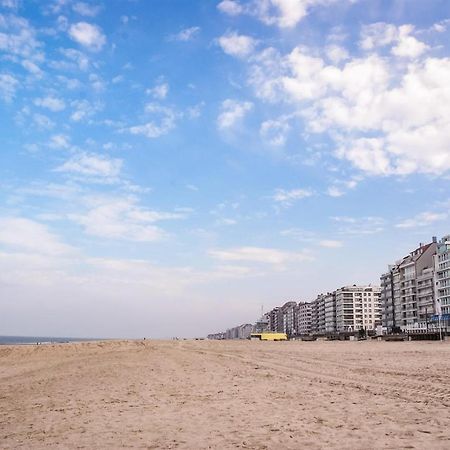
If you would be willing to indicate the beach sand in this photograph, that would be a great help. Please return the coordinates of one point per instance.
(226, 394)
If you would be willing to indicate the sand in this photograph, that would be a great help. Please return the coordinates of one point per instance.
(226, 394)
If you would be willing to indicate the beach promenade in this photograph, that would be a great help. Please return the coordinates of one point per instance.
(226, 394)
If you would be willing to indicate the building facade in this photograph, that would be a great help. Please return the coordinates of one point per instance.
(442, 277)
(318, 315)
(358, 308)
(387, 299)
(303, 318)
(330, 312)
(288, 314)
(408, 291)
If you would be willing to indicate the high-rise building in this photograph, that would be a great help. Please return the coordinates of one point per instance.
(287, 315)
(318, 315)
(407, 292)
(330, 312)
(273, 319)
(387, 299)
(303, 318)
(442, 277)
(358, 308)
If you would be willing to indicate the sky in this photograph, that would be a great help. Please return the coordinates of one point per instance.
(169, 167)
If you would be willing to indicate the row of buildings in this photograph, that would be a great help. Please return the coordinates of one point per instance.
(415, 291)
(240, 332)
(414, 296)
(345, 310)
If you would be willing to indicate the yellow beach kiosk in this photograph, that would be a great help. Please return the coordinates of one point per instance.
(268, 336)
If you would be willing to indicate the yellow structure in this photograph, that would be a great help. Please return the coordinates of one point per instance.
(268, 336)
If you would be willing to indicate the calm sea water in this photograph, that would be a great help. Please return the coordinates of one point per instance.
(16, 340)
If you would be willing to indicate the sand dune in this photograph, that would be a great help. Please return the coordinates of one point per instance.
(229, 394)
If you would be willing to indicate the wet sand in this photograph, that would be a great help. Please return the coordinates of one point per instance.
(226, 394)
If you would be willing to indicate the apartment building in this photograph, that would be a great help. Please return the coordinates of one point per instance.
(273, 319)
(239, 332)
(303, 318)
(330, 312)
(442, 277)
(288, 314)
(408, 290)
(425, 295)
(318, 315)
(263, 324)
(387, 299)
(314, 317)
(358, 308)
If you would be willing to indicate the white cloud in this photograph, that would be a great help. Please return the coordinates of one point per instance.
(123, 218)
(163, 120)
(359, 225)
(422, 220)
(8, 86)
(66, 192)
(24, 234)
(78, 58)
(52, 103)
(12, 4)
(274, 132)
(341, 186)
(159, 91)
(86, 9)
(441, 26)
(232, 111)
(83, 110)
(336, 53)
(287, 198)
(383, 34)
(62, 24)
(329, 243)
(32, 68)
(367, 154)
(59, 141)
(282, 13)
(185, 35)
(237, 45)
(92, 165)
(226, 221)
(300, 234)
(230, 7)
(88, 35)
(260, 255)
(19, 38)
(408, 46)
(97, 82)
(42, 121)
(334, 191)
(195, 111)
(117, 79)
(378, 34)
(386, 115)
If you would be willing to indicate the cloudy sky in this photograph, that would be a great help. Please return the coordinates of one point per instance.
(168, 167)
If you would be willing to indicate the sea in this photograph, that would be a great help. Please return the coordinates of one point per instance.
(23, 340)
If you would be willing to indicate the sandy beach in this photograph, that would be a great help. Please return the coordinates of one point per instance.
(226, 394)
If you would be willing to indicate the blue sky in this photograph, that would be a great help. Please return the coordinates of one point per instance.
(167, 167)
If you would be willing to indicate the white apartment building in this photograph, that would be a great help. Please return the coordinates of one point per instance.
(303, 318)
(442, 276)
(330, 312)
(288, 318)
(358, 308)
